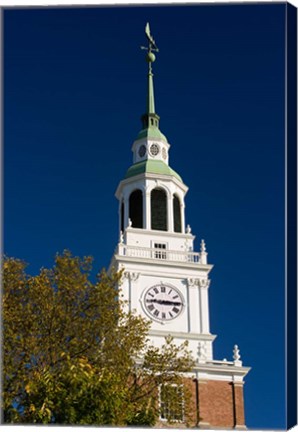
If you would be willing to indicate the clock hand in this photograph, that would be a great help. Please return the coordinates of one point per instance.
(164, 302)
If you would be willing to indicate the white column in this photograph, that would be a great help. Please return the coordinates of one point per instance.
(170, 212)
(204, 303)
(194, 306)
(119, 213)
(147, 211)
(182, 211)
(144, 208)
(126, 211)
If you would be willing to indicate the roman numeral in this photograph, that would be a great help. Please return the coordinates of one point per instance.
(163, 289)
(175, 309)
(163, 315)
(152, 295)
(176, 296)
(151, 307)
(156, 290)
(156, 312)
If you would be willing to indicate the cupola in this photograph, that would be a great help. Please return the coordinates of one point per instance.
(151, 195)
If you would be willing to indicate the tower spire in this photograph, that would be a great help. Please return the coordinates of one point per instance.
(150, 118)
(150, 96)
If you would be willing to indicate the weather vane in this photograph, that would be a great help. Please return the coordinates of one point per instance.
(151, 46)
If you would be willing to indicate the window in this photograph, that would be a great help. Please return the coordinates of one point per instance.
(154, 149)
(159, 210)
(160, 251)
(177, 214)
(136, 209)
(171, 402)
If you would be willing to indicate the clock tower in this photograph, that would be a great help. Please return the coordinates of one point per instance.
(165, 279)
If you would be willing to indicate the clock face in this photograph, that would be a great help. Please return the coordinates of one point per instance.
(163, 302)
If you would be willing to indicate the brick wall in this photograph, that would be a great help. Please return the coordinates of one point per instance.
(221, 404)
(216, 404)
(213, 404)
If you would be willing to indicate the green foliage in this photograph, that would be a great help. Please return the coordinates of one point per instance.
(72, 355)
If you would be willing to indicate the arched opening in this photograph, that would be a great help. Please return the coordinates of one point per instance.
(177, 214)
(122, 217)
(136, 209)
(159, 210)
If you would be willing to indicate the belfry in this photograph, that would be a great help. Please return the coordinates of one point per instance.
(165, 280)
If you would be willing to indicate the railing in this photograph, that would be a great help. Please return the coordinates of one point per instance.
(221, 362)
(158, 254)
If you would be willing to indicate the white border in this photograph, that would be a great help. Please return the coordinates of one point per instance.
(57, 3)
(53, 3)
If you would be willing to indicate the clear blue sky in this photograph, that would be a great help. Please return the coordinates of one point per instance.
(74, 91)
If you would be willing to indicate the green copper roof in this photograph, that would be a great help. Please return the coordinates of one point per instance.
(151, 132)
(152, 167)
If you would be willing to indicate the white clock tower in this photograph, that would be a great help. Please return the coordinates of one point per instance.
(165, 280)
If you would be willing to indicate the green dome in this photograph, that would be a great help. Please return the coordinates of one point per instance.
(152, 167)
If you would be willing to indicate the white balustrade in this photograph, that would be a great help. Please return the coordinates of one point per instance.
(158, 254)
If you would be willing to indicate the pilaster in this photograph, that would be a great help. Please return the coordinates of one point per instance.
(204, 304)
(239, 420)
(193, 293)
(131, 278)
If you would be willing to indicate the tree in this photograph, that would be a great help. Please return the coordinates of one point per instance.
(72, 355)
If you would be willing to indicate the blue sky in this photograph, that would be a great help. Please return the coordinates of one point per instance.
(74, 92)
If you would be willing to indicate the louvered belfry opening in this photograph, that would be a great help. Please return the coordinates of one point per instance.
(159, 210)
(177, 214)
(136, 208)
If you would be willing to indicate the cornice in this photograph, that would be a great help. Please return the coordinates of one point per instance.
(160, 233)
(182, 335)
(225, 369)
(150, 176)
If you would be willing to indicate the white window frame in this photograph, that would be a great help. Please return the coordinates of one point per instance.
(164, 419)
(160, 250)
